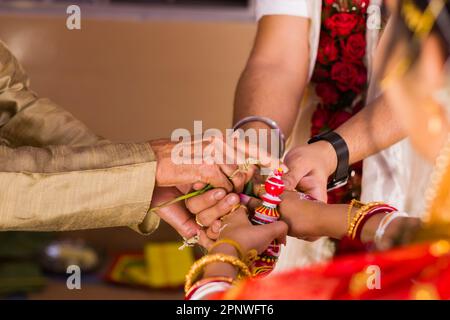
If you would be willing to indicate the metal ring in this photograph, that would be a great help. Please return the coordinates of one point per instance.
(197, 222)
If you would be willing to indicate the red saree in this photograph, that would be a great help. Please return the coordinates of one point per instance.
(414, 272)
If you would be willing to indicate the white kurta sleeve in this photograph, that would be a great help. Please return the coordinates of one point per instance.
(311, 9)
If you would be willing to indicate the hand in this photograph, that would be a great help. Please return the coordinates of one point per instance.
(238, 227)
(309, 168)
(169, 173)
(210, 207)
(304, 217)
(178, 217)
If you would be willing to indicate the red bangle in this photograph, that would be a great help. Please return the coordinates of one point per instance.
(202, 282)
(384, 208)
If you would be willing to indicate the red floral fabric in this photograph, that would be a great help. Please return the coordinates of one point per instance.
(340, 76)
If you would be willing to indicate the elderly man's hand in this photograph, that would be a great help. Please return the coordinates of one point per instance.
(170, 173)
(179, 218)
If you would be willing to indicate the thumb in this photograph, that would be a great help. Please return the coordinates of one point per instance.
(180, 219)
(293, 177)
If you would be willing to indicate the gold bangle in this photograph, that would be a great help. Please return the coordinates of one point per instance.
(202, 282)
(352, 204)
(199, 265)
(230, 242)
(358, 216)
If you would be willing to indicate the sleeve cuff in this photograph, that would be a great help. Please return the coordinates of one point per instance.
(297, 8)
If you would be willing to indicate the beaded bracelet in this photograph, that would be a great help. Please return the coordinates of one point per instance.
(200, 264)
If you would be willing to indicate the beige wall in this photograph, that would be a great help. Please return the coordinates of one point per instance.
(133, 80)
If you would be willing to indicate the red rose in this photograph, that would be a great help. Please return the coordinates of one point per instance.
(361, 79)
(363, 5)
(342, 24)
(328, 50)
(345, 74)
(320, 74)
(329, 2)
(327, 92)
(339, 118)
(319, 120)
(355, 47)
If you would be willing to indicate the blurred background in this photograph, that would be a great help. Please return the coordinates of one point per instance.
(135, 71)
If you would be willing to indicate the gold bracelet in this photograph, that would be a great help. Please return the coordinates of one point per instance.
(230, 242)
(199, 265)
(359, 215)
(352, 204)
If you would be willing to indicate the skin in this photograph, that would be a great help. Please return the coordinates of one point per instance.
(173, 180)
(311, 165)
(276, 73)
(410, 101)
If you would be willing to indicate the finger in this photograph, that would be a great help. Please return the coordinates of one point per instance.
(217, 178)
(205, 201)
(198, 185)
(272, 231)
(259, 189)
(250, 202)
(204, 240)
(294, 175)
(237, 178)
(180, 219)
(208, 216)
(237, 217)
(213, 232)
(253, 204)
(184, 188)
(314, 187)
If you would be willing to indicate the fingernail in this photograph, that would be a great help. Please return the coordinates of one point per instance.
(245, 199)
(233, 199)
(219, 194)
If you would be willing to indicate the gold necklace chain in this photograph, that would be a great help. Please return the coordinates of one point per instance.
(437, 177)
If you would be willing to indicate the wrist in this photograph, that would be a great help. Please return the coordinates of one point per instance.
(327, 153)
(222, 269)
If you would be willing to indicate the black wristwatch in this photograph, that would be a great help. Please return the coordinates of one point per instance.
(340, 176)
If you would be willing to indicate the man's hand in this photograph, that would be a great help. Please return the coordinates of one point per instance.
(169, 173)
(179, 218)
(309, 168)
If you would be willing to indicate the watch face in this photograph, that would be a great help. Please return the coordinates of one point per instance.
(337, 184)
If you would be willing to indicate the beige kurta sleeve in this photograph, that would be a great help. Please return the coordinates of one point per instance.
(55, 174)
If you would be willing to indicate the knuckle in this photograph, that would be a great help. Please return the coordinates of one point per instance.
(190, 205)
(205, 219)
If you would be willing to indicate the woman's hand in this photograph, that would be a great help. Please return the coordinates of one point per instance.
(179, 218)
(237, 227)
(207, 209)
(305, 218)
